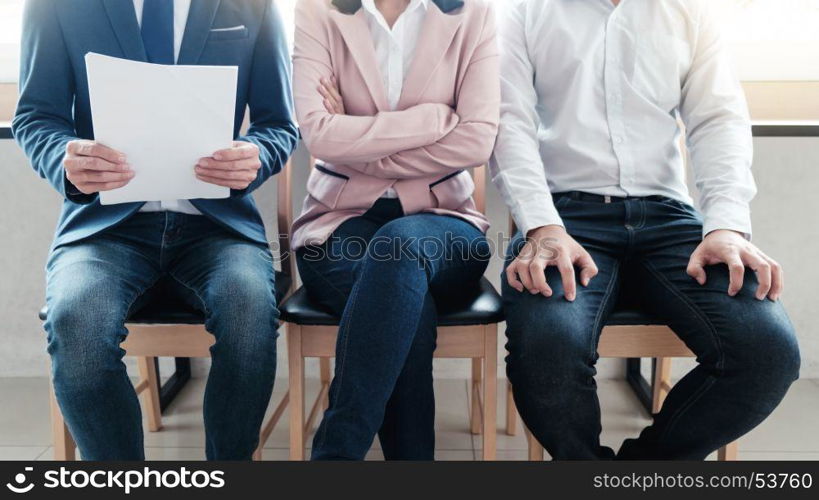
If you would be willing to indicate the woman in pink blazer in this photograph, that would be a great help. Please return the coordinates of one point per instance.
(396, 100)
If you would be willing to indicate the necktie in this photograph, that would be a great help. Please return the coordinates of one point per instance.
(157, 31)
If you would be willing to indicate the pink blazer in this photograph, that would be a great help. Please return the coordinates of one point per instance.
(445, 123)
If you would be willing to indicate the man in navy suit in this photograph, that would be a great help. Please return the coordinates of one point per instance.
(214, 253)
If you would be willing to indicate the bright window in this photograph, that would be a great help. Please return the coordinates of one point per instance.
(11, 13)
(771, 39)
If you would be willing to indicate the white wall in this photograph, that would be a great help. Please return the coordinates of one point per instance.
(785, 217)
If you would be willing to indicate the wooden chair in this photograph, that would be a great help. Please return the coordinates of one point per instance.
(630, 334)
(168, 327)
(464, 331)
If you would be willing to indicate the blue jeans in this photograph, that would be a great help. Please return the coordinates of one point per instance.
(382, 273)
(92, 286)
(746, 349)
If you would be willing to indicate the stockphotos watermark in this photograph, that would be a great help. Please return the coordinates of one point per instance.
(120, 481)
(383, 248)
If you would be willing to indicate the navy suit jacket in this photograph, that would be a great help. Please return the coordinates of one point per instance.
(54, 106)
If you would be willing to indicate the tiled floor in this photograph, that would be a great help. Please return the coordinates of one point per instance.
(25, 433)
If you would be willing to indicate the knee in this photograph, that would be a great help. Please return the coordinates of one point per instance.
(548, 350)
(84, 333)
(243, 296)
(243, 315)
(84, 321)
(401, 240)
(769, 352)
(400, 251)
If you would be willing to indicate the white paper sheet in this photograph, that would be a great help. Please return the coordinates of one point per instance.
(164, 118)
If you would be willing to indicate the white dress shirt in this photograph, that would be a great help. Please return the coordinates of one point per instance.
(395, 48)
(181, 8)
(592, 94)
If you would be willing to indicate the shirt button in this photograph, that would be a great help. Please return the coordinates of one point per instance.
(618, 139)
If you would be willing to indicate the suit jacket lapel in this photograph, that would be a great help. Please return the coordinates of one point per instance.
(126, 28)
(200, 22)
(356, 34)
(437, 33)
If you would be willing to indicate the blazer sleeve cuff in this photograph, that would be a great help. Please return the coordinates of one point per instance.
(74, 195)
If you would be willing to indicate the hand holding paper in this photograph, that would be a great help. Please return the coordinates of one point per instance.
(235, 168)
(93, 168)
(164, 119)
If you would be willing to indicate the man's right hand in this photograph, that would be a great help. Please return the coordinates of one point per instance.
(92, 167)
(550, 246)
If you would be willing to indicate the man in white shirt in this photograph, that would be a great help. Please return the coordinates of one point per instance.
(589, 161)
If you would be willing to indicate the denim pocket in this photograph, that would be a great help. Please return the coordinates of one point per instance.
(677, 204)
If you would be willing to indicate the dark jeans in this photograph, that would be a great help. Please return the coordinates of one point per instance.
(746, 349)
(94, 283)
(382, 273)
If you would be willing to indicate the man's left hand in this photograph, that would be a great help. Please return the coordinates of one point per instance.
(236, 167)
(731, 248)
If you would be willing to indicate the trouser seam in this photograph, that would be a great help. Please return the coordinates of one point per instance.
(643, 214)
(162, 241)
(674, 418)
(196, 293)
(692, 307)
(340, 367)
(597, 328)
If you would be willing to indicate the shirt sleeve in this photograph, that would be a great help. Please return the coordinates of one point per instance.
(516, 166)
(718, 126)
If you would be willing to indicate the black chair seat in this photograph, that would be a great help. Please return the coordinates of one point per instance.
(164, 306)
(483, 307)
(629, 317)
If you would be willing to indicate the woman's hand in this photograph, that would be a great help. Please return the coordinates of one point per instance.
(332, 98)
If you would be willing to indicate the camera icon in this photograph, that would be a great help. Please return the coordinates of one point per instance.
(20, 480)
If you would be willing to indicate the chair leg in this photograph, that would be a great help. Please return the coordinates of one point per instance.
(326, 377)
(296, 369)
(511, 411)
(267, 430)
(535, 449)
(662, 383)
(150, 395)
(490, 391)
(65, 450)
(476, 418)
(729, 452)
